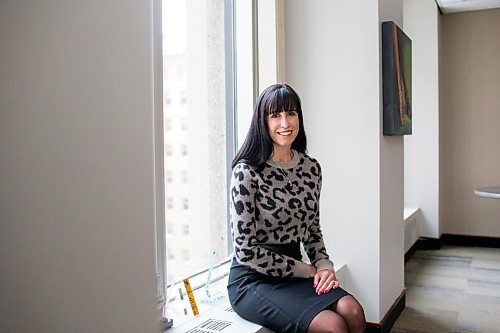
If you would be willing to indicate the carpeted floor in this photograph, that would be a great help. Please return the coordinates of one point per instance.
(454, 289)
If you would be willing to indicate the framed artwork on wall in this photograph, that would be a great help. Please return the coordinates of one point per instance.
(396, 78)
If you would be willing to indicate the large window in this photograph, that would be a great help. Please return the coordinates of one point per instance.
(195, 133)
(210, 81)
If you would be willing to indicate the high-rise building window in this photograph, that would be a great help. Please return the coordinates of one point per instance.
(185, 254)
(185, 203)
(168, 124)
(170, 228)
(168, 99)
(184, 124)
(170, 254)
(185, 229)
(184, 150)
(168, 150)
(184, 176)
(183, 98)
(169, 178)
(170, 203)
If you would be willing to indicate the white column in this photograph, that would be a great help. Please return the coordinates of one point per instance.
(333, 61)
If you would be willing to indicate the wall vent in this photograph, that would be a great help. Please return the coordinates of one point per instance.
(210, 326)
(229, 309)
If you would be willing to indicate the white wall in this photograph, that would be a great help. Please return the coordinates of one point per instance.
(76, 147)
(332, 59)
(422, 147)
(391, 189)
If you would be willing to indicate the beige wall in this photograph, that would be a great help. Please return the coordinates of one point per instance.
(469, 121)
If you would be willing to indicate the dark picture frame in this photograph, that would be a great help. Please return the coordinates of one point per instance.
(397, 80)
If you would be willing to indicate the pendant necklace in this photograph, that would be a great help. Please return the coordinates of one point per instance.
(289, 185)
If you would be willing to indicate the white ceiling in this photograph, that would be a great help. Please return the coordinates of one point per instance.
(454, 6)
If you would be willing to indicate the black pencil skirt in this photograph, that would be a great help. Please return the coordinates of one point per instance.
(280, 304)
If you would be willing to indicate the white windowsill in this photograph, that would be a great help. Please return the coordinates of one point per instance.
(409, 213)
(221, 311)
(411, 227)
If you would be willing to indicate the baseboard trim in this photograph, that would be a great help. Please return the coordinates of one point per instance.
(390, 317)
(466, 240)
(427, 243)
(410, 252)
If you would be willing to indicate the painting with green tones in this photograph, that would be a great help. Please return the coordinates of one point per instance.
(396, 78)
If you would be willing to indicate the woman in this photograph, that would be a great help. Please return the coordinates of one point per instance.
(274, 198)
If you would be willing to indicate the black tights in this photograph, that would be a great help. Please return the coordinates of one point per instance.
(344, 316)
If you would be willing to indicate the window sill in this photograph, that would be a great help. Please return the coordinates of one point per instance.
(221, 315)
(411, 227)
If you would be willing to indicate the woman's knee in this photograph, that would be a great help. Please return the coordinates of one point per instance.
(349, 308)
(328, 322)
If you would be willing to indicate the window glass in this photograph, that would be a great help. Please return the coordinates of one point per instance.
(169, 178)
(185, 229)
(168, 150)
(170, 228)
(195, 134)
(170, 254)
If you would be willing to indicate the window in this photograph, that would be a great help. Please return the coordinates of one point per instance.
(204, 91)
(184, 124)
(170, 228)
(194, 53)
(170, 254)
(168, 123)
(185, 254)
(185, 229)
(168, 150)
(182, 97)
(169, 177)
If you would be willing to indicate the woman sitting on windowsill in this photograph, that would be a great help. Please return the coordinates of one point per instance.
(274, 204)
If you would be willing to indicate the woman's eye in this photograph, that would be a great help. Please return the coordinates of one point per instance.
(292, 113)
(275, 115)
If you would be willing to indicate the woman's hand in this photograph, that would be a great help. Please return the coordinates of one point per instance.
(324, 281)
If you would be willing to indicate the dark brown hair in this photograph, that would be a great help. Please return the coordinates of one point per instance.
(258, 146)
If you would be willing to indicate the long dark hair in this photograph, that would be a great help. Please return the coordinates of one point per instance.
(258, 145)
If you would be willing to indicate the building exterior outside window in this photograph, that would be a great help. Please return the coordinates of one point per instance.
(195, 124)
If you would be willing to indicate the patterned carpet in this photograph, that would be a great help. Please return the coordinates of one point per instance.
(454, 289)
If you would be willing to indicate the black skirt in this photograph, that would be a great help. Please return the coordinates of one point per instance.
(280, 304)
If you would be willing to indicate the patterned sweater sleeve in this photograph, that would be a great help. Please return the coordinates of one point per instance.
(248, 252)
(314, 244)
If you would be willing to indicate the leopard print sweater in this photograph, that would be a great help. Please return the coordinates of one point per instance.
(277, 206)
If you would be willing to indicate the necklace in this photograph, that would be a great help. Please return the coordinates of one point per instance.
(289, 185)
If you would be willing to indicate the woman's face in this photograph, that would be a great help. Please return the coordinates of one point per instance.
(283, 127)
